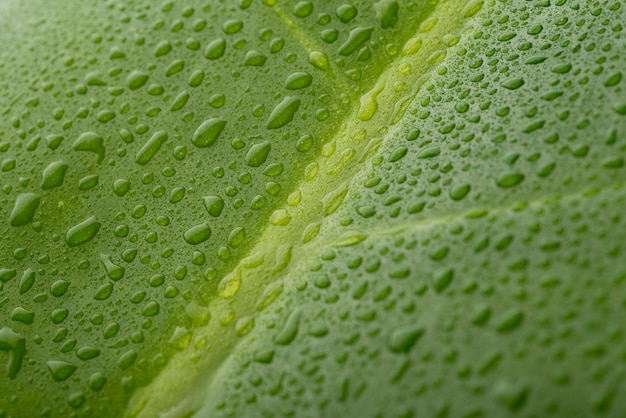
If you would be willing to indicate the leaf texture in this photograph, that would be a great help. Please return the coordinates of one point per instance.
(293, 208)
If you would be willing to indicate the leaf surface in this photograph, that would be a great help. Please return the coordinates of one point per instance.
(313, 209)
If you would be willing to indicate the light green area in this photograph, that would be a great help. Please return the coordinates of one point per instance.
(294, 208)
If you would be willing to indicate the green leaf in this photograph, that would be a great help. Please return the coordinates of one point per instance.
(268, 208)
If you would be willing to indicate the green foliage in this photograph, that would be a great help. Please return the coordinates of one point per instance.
(295, 208)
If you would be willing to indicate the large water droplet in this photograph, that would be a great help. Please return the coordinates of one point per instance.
(283, 113)
(208, 132)
(198, 234)
(83, 232)
(24, 209)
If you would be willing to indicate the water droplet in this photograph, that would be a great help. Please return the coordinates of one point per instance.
(472, 8)
(104, 291)
(162, 48)
(121, 187)
(320, 60)
(509, 320)
(255, 59)
(26, 282)
(196, 78)
(82, 232)
(402, 338)
(332, 200)
(179, 101)
(60, 370)
(429, 152)
(150, 148)
(346, 12)
(290, 329)
(298, 80)
(230, 284)
(97, 381)
(513, 83)
(257, 155)
(59, 315)
(15, 345)
(208, 132)
(91, 142)
(283, 113)
(24, 209)
(387, 12)
(510, 180)
(613, 80)
(214, 205)
(198, 234)
(59, 288)
(88, 182)
(175, 67)
(350, 238)
(236, 237)
(270, 293)
(180, 339)
(53, 175)
(356, 38)
(215, 49)
(136, 80)
(442, 279)
(459, 191)
(87, 353)
(513, 395)
(398, 153)
(127, 359)
(54, 141)
(232, 26)
(280, 217)
(303, 9)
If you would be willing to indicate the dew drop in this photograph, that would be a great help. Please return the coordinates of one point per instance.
(136, 80)
(402, 338)
(230, 284)
(15, 345)
(510, 180)
(24, 209)
(356, 38)
(215, 49)
(82, 232)
(283, 113)
(91, 142)
(257, 155)
(208, 132)
(290, 329)
(151, 147)
(513, 84)
(387, 13)
(54, 175)
(60, 370)
(26, 282)
(214, 205)
(298, 80)
(198, 234)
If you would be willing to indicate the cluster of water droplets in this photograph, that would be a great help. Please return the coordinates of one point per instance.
(143, 148)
